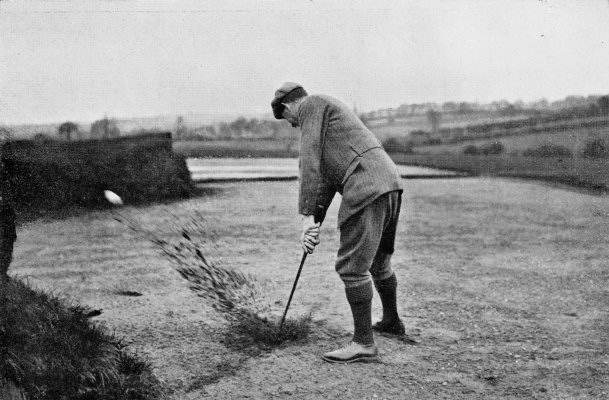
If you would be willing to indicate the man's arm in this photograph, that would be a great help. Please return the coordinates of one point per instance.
(314, 191)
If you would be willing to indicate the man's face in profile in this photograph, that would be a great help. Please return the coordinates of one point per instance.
(289, 116)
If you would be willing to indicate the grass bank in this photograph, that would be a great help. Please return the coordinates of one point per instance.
(51, 350)
(574, 171)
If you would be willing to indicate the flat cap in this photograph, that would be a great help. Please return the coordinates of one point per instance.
(289, 91)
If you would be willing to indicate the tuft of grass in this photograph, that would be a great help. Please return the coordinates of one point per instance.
(253, 334)
(51, 350)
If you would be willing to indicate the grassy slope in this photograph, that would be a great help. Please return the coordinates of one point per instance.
(574, 139)
(403, 126)
(502, 282)
(52, 350)
(577, 172)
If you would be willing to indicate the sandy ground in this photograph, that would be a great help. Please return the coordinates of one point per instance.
(504, 284)
(215, 169)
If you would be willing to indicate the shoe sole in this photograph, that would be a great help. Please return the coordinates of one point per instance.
(391, 335)
(365, 359)
(401, 337)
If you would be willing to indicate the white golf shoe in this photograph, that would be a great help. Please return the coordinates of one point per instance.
(353, 352)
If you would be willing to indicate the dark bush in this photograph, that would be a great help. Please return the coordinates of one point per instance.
(596, 148)
(59, 175)
(470, 149)
(603, 105)
(104, 129)
(492, 148)
(548, 150)
(397, 145)
(42, 138)
(419, 133)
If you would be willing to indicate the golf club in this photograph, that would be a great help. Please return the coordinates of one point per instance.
(302, 260)
(318, 217)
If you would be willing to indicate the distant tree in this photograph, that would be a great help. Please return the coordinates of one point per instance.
(596, 148)
(67, 129)
(395, 144)
(104, 129)
(238, 125)
(574, 101)
(41, 138)
(403, 110)
(470, 149)
(519, 105)
(5, 134)
(254, 126)
(465, 108)
(434, 117)
(603, 104)
(449, 106)
(542, 104)
(593, 109)
(492, 148)
(508, 109)
(211, 130)
(419, 136)
(225, 130)
(180, 128)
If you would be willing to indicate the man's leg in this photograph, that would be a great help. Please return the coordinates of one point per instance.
(362, 347)
(391, 322)
(360, 301)
(383, 275)
(360, 238)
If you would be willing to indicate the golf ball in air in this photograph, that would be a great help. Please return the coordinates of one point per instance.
(113, 197)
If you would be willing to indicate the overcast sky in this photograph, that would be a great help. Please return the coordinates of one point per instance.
(78, 60)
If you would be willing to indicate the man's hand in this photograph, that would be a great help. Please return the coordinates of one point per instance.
(310, 233)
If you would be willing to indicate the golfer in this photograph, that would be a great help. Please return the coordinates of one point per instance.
(339, 154)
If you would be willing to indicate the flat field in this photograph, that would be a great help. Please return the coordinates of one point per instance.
(503, 285)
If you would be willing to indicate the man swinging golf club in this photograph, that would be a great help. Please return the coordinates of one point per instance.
(339, 154)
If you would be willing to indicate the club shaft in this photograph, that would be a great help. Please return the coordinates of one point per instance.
(304, 257)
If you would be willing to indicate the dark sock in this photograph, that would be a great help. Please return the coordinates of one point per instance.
(387, 292)
(360, 300)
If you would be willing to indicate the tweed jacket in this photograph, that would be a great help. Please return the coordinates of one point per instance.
(339, 154)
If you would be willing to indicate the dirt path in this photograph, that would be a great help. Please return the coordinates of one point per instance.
(502, 283)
